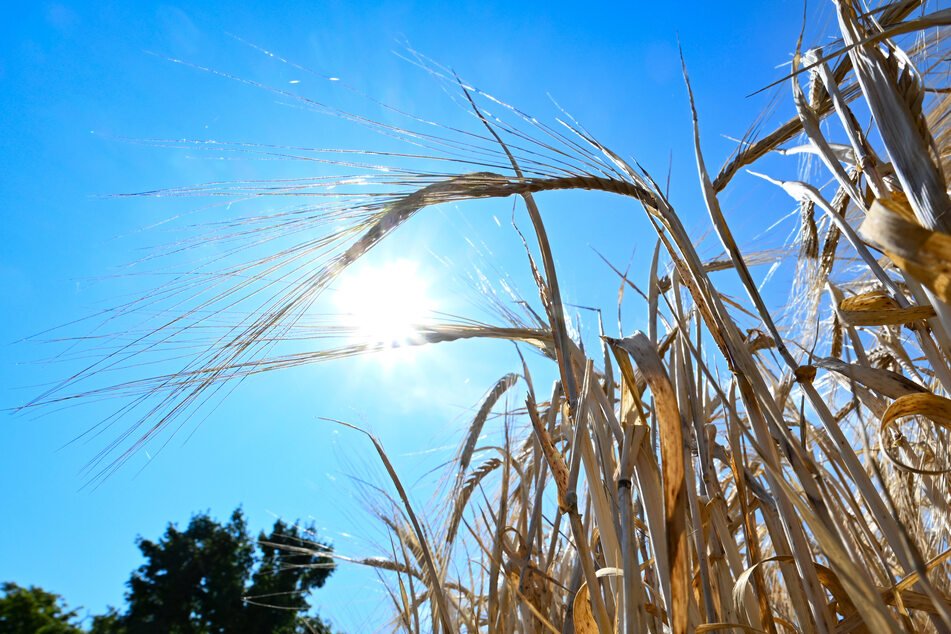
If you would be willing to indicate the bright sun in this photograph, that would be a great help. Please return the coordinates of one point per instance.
(384, 304)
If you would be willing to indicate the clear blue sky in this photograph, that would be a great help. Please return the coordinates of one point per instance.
(70, 69)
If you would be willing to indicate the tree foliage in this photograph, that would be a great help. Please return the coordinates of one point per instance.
(34, 611)
(214, 578)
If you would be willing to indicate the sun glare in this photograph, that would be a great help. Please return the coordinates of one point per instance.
(384, 304)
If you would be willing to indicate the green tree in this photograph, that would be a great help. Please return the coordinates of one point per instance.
(108, 623)
(287, 565)
(34, 611)
(211, 578)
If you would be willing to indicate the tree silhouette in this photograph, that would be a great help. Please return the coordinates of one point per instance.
(211, 578)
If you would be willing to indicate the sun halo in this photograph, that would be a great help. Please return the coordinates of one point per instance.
(384, 304)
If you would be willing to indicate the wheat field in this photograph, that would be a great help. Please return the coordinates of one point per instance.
(722, 471)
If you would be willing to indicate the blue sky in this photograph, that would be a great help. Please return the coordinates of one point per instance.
(76, 79)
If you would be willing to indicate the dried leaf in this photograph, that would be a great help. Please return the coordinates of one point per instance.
(920, 252)
(877, 308)
(934, 407)
(584, 617)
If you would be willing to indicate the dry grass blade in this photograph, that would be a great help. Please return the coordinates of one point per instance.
(922, 253)
(435, 577)
(934, 407)
(672, 464)
(894, 96)
(878, 309)
(885, 382)
(853, 579)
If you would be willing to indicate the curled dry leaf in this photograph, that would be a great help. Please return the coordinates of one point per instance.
(584, 617)
(919, 252)
(877, 308)
(935, 408)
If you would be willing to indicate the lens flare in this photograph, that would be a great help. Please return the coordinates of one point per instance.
(384, 304)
